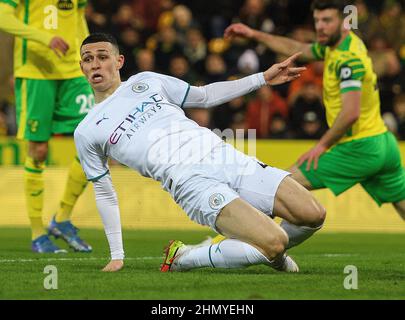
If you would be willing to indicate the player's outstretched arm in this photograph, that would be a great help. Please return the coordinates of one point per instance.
(350, 113)
(218, 93)
(282, 45)
(107, 205)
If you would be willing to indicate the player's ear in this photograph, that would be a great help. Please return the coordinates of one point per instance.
(120, 61)
(81, 67)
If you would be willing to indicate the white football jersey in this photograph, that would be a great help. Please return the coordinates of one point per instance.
(143, 126)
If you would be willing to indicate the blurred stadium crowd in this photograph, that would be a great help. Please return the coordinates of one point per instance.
(185, 39)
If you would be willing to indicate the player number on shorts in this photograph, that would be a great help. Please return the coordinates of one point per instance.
(86, 102)
(51, 17)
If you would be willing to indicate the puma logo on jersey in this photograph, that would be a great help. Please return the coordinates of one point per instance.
(99, 121)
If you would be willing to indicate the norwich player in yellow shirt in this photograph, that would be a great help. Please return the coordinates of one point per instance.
(52, 97)
(357, 148)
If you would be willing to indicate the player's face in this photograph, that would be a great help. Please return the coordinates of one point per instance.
(328, 24)
(100, 63)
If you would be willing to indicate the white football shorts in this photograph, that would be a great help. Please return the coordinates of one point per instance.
(224, 175)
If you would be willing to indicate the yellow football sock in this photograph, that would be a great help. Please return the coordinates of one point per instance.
(37, 227)
(217, 239)
(34, 194)
(75, 186)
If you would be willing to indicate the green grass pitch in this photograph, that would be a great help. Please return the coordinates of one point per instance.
(379, 259)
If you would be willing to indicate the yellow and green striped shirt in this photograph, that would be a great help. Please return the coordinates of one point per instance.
(64, 18)
(349, 68)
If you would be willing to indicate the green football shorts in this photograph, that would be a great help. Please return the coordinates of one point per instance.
(374, 162)
(47, 107)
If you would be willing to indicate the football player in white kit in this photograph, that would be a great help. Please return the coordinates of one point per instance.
(140, 123)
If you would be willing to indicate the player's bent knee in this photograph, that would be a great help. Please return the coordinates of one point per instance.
(313, 214)
(318, 216)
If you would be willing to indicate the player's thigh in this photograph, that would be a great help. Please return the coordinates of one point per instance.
(35, 104)
(75, 99)
(297, 205)
(274, 193)
(258, 185)
(240, 220)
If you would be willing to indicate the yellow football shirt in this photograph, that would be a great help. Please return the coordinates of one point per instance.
(349, 68)
(64, 18)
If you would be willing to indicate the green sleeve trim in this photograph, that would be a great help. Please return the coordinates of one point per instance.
(353, 65)
(33, 170)
(348, 89)
(358, 75)
(99, 177)
(185, 96)
(318, 51)
(358, 68)
(10, 2)
(353, 60)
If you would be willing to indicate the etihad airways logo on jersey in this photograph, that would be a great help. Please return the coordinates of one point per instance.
(137, 118)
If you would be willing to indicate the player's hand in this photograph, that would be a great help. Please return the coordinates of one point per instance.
(312, 156)
(238, 30)
(114, 265)
(283, 72)
(59, 46)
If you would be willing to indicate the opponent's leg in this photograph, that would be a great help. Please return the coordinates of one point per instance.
(75, 185)
(34, 192)
(400, 207)
(61, 226)
(74, 99)
(298, 176)
(34, 185)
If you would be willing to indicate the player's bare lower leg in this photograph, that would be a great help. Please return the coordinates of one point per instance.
(302, 214)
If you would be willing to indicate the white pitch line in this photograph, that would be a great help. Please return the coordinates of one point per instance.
(141, 258)
(71, 259)
(331, 255)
